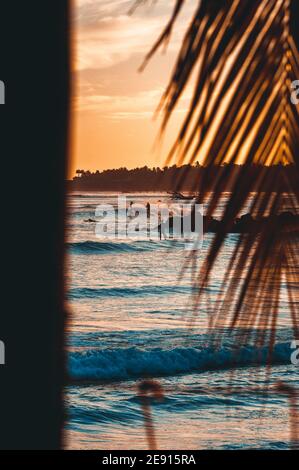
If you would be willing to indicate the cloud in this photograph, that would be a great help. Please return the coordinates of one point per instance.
(120, 106)
(114, 41)
(107, 36)
(110, 45)
(140, 105)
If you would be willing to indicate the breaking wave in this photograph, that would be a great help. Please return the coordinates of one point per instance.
(133, 363)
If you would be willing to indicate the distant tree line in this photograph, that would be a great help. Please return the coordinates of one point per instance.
(173, 178)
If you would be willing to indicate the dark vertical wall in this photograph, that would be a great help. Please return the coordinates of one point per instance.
(34, 66)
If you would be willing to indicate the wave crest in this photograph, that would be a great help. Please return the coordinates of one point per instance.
(94, 247)
(133, 363)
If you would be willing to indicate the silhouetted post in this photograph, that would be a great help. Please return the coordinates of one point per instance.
(146, 390)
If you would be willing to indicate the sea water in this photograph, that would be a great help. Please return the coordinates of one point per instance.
(129, 319)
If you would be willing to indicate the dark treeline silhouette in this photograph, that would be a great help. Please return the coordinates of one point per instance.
(184, 178)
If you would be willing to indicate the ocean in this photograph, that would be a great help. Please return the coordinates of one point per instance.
(129, 317)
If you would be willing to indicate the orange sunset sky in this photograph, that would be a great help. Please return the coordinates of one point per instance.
(114, 104)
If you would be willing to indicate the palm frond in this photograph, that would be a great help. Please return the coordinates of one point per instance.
(244, 59)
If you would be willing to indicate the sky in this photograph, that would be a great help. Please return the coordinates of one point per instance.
(113, 103)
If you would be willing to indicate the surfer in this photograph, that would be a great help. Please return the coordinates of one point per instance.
(148, 210)
(130, 211)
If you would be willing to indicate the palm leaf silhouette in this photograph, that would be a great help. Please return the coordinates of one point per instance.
(244, 59)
